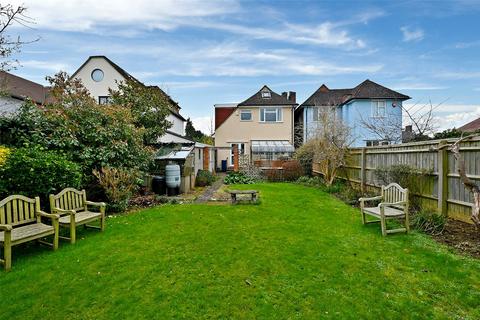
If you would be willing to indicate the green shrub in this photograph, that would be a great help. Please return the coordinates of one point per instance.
(238, 178)
(305, 155)
(119, 185)
(429, 222)
(36, 172)
(204, 178)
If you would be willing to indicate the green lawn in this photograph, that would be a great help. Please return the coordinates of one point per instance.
(299, 254)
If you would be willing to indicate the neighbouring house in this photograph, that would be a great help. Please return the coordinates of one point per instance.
(368, 103)
(472, 126)
(99, 74)
(261, 128)
(14, 90)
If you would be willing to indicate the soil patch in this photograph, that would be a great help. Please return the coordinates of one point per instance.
(461, 236)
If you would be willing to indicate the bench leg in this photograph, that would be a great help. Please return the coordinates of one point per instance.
(234, 198)
(363, 216)
(102, 222)
(407, 223)
(254, 197)
(384, 226)
(73, 232)
(55, 235)
(7, 252)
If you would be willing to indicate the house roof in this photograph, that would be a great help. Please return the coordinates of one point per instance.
(21, 88)
(222, 114)
(471, 126)
(365, 90)
(275, 99)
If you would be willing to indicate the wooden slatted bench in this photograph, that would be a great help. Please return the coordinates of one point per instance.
(20, 221)
(393, 205)
(72, 206)
(234, 193)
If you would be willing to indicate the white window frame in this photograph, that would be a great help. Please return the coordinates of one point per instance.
(246, 111)
(271, 110)
(266, 94)
(376, 107)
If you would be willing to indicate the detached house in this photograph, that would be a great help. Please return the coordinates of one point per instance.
(368, 102)
(261, 127)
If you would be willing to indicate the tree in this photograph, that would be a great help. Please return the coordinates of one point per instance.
(92, 135)
(389, 128)
(467, 182)
(193, 134)
(11, 15)
(330, 143)
(149, 107)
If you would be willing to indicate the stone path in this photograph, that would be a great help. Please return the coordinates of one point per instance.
(210, 191)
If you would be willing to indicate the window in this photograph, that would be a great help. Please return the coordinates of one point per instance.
(270, 114)
(246, 115)
(373, 143)
(103, 100)
(199, 154)
(316, 111)
(266, 94)
(379, 108)
(97, 75)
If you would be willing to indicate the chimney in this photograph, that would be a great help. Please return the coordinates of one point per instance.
(284, 94)
(292, 96)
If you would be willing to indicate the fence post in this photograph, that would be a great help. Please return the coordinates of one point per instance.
(363, 171)
(443, 177)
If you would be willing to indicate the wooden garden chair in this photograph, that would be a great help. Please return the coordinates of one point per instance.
(21, 221)
(393, 205)
(72, 206)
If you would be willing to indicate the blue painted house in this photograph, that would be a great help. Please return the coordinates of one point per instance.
(371, 111)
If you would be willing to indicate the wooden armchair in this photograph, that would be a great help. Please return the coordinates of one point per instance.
(21, 221)
(393, 205)
(72, 206)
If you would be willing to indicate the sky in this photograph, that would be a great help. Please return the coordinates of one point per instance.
(208, 52)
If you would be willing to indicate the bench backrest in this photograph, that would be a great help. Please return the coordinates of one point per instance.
(394, 193)
(69, 199)
(17, 210)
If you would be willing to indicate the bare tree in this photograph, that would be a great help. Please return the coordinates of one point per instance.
(469, 184)
(10, 15)
(330, 141)
(389, 127)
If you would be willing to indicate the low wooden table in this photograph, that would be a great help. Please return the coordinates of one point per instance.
(234, 193)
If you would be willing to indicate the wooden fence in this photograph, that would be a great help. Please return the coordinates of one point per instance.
(442, 191)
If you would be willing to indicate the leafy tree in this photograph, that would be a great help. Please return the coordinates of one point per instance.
(89, 134)
(149, 107)
(192, 133)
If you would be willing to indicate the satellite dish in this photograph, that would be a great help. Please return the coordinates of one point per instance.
(394, 104)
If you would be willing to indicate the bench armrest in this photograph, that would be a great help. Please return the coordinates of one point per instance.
(98, 204)
(370, 199)
(48, 215)
(389, 204)
(63, 211)
(5, 227)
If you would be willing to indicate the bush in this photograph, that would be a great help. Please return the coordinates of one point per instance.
(292, 170)
(204, 178)
(119, 185)
(35, 172)
(4, 152)
(305, 155)
(238, 178)
(428, 222)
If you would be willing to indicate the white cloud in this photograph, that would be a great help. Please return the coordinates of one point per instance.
(457, 75)
(204, 124)
(417, 86)
(446, 116)
(45, 65)
(87, 15)
(410, 34)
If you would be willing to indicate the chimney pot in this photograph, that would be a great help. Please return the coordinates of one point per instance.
(284, 94)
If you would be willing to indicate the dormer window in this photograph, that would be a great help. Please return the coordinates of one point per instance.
(266, 94)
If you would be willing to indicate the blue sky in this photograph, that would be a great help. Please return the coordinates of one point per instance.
(207, 52)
